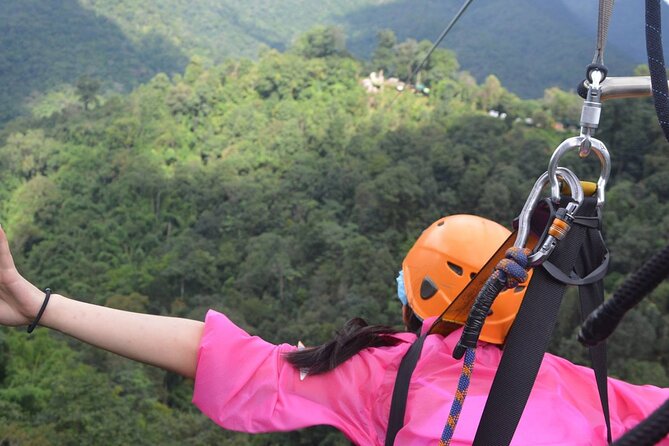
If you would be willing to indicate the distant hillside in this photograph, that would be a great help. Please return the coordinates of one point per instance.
(529, 45)
(46, 43)
(220, 28)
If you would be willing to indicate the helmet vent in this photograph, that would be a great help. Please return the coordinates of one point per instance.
(472, 275)
(427, 288)
(457, 269)
(519, 288)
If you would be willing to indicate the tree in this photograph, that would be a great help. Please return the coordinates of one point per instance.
(564, 107)
(384, 57)
(60, 100)
(29, 154)
(322, 41)
(406, 54)
(442, 64)
(491, 93)
(87, 90)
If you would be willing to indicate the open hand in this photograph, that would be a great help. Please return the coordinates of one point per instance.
(19, 299)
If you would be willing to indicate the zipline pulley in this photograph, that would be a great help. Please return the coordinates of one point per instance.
(591, 111)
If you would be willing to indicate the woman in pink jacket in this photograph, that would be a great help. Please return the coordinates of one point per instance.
(246, 384)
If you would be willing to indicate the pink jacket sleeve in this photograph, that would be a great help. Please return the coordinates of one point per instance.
(569, 391)
(244, 383)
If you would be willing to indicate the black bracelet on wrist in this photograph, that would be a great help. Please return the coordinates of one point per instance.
(33, 325)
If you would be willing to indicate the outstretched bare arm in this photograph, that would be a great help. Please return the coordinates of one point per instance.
(166, 342)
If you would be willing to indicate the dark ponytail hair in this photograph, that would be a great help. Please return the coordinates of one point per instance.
(355, 336)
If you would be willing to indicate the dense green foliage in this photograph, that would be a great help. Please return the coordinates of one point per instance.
(283, 194)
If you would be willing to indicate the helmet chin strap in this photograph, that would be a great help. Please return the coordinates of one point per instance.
(410, 319)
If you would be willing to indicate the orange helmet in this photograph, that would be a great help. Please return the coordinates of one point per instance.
(445, 258)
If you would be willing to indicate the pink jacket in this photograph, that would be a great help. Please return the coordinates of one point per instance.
(243, 383)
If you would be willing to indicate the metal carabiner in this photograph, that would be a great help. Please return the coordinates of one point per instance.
(575, 143)
(560, 225)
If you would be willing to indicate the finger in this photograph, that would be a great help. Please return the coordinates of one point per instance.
(6, 260)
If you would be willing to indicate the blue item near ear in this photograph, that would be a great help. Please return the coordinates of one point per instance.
(401, 291)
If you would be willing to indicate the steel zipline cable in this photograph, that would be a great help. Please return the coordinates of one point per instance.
(436, 43)
(455, 19)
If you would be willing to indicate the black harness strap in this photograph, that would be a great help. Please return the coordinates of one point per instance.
(401, 390)
(528, 340)
(574, 278)
(591, 295)
(589, 271)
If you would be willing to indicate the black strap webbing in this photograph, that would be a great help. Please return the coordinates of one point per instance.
(591, 295)
(575, 278)
(527, 342)
(401, 390)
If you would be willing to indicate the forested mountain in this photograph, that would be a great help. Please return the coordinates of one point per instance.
(283, 193)
(530, 45)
